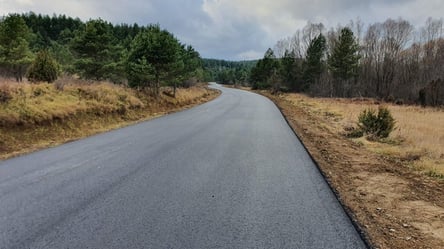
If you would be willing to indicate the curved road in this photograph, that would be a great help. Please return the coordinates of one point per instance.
(226, 174)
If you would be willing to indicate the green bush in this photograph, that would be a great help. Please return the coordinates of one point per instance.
(352, 132)
(44, 68)
(379, 125)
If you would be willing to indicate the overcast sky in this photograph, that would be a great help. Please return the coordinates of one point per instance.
(233, 29)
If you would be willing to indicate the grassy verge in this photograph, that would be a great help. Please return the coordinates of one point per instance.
(385, 186)
(417, 140)
(35, 116)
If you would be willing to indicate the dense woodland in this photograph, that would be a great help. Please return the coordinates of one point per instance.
(228, 72)
(390, 60)
(42, 47)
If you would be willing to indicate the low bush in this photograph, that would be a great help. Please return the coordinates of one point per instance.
(43, 69)
(379, 125)
(352, 132)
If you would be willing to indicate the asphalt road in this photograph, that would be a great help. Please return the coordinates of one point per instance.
(226, 174)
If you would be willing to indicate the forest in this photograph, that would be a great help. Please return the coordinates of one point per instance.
(228, 72)
(41, 48)
(391, 61)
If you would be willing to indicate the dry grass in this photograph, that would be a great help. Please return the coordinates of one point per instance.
(418, 138)
(393, 205)
(31, 104)
(34, 116)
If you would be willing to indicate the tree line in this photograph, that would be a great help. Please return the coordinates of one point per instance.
(228, 72)
(391, 60)
(41, 48)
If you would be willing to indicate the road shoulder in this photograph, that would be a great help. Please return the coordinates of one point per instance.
(393, 206)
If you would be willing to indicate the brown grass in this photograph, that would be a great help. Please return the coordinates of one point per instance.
(395, 206)
(418, 137)
(32, 104)
(34, 116)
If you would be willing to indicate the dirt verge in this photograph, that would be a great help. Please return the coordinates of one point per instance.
(394, 206)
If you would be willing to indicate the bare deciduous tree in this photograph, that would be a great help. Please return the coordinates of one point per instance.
(397, 62)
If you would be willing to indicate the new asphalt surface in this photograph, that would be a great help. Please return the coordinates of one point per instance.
(227, 174)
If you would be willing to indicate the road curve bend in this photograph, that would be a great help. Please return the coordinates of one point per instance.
(226, 174)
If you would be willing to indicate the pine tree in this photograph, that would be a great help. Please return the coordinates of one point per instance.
(264, 70)
(93, 49)
(64, 57)
(314, 64)
(344, 60)
(190, 66)
(15, 54)
(288, 66)
(153, 57)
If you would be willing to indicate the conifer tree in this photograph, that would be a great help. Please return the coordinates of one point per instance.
(152, 59)
(44, 68)
(15, 54)
(344, 60)
(264, 69)
(92, 46)
(314, 63)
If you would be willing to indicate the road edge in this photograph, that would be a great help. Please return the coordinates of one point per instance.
(116, 126)
(359, 228)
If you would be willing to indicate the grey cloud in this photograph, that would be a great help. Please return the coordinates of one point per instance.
(233, 29)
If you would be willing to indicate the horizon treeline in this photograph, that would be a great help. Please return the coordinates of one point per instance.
(140, 56)
(392, 60)
(228, 72)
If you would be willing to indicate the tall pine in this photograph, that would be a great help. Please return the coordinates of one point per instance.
(344, 60)
(290, 70)
(92, 47)
(153, 58)
(264, 70)
(314, 63)
(15, 54)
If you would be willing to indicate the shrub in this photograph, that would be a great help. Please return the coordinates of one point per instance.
(44, 68)
(379, 125)
(352, 132)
